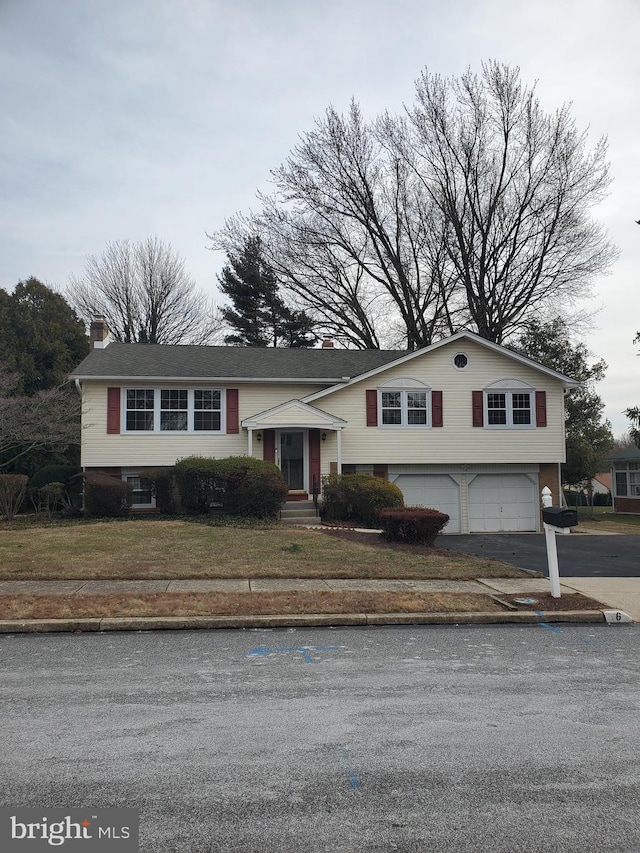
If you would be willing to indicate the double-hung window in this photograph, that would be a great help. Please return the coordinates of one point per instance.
(627, 479)
(207, 410)
(174, 410)
(509, 408)
(140, 410)
(404, 407)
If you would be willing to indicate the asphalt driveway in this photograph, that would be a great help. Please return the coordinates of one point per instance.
(579, 555)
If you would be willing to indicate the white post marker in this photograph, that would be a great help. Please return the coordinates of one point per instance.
(552, 559)
(552, 548)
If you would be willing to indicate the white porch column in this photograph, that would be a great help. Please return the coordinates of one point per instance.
(339, 450)
(250, 442)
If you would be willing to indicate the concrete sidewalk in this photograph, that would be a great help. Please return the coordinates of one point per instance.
(617, 593)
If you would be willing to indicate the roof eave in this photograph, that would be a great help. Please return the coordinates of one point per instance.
(221, 379)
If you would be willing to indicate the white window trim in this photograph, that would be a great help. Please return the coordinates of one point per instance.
(498, 388)
(403, 390)
(156, 411)
(625, 468)
(125, 473)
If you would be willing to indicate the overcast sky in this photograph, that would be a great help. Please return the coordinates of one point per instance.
(132, 118)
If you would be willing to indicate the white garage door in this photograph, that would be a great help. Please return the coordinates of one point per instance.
(437, 491)
(502, 502)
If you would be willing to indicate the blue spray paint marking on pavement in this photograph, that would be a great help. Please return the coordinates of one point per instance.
(305, 651)
(351, 774)
(546, 624)
(550, 627)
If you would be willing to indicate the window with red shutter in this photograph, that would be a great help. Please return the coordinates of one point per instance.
(113, 411)
(436, 409)
(233, 423)
(372, 408)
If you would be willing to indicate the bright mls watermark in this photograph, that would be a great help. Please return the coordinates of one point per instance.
(80, 830)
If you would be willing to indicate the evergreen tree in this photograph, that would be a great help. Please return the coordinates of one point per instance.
(258, 315)
(589, 438)
(41, 341)
(41, 337)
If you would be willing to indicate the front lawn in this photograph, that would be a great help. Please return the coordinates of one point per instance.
(153, 549)
(604, 520)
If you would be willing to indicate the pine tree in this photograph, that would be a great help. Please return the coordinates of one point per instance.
(258, 315)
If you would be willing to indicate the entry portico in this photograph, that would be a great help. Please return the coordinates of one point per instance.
(292, 435)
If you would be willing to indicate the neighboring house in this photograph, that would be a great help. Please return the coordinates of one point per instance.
(625, 470)
(464, 425)
(601, 483)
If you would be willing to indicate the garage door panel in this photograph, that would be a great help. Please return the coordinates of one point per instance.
(502, 502)
(438, 491)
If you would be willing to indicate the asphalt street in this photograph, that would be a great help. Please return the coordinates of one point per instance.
(578, 555)
(494, 738)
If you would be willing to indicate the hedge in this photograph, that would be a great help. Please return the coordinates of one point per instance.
(358, 498)
(240, 485)
(412, 524)
(106, 496)
(161, 483)
(56, 487)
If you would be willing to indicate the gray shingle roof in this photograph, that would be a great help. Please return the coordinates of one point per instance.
(629, 454)
(199, 362)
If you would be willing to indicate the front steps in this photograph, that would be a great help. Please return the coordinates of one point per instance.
(301, 513)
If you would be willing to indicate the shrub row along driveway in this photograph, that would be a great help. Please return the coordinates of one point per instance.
(578, 555)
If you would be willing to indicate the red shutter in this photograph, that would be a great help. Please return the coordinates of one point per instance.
(269, 442)
(436, 408)
(478, 408)
(541, 408)
(113, 411)
(381, 471)
(372, 408)
(233, 424)
(314, 458)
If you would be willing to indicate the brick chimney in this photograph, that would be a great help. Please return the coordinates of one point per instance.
(99, 333)
(327, 343)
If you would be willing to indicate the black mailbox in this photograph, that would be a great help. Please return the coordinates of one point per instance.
(557, 516)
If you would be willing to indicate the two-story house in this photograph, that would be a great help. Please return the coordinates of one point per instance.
(464, 425)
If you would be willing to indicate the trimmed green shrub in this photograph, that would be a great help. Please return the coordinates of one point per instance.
(56, 487)
(574, 498)
(13, 488)
(161, 483)
(240, 485)
(602, 499)
(199, 483)
(358, 498)
(412, 524)
(55, 474)
(106, 496)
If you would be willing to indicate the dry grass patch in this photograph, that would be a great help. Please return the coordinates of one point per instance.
(240, 604)
(610, 523)
(148, 549)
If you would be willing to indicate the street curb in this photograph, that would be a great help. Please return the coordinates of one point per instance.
(186, 623)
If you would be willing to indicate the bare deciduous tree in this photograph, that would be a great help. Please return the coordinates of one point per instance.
(472, 210)
(48, 420)
(144, 293)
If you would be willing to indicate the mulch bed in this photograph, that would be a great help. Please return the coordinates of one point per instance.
(376, 540)
(547, 603)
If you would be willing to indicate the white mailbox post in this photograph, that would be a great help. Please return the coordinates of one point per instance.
(550, 531)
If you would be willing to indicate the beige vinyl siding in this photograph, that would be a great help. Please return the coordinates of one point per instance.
(298, 416)
(151, 449)
(457, 441)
